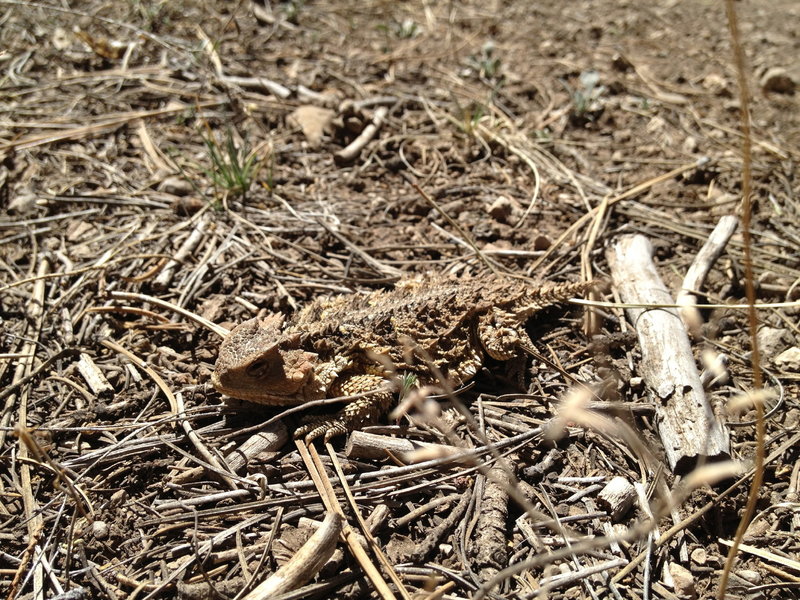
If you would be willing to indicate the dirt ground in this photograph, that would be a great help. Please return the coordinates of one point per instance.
(171, 161)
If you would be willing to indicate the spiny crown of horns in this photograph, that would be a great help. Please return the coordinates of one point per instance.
(256, 336)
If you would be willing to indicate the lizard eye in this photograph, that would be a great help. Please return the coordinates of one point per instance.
(259, 368)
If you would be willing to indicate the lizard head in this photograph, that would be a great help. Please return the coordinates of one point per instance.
(260, 363)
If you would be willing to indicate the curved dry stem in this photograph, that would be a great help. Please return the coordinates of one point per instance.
(304, 564)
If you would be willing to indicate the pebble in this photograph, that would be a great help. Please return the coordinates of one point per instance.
(690, 145)
(699, 556)
(177, 186)
(777, 80)
(501, 209)
(683, 580)
(771, 340)
(750, 576)
(789, 359)
(100, 530)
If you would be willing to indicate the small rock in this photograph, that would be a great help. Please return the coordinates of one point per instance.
(771, 340)
(78, 231)
(683, 580)
(452, 208)
(649, 150)
(485, 230)
(690, 145)
(791, 419)
(100, 530)
(789, 359)
(620, 63)
(731, 105)
(699, 556)
(562, 510)
(749, 576)
(497, 246)
(620, 136)
(548, 48)
(24, 203)
(542, 242)
(205, 354)
(187, 206)
(176, 186)
(501, 209)
(62, 39)
(313, 121)
(117, 499)
(716, 84)
(777, 80)
(756, 530)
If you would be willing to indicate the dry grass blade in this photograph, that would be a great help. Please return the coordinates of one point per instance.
(33, 515)
(104, 125)
(141, 364)
(755, 360)
(604, 206)
(325, 489)
(220, 331)
(771, 556)
(373, 545)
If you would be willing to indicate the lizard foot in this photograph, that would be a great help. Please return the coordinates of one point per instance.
(360, 412)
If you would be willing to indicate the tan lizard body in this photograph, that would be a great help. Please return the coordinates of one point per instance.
(340, 345)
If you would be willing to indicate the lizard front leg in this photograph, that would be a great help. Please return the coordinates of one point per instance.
(325, 374)
(501, 334)
(362, 411)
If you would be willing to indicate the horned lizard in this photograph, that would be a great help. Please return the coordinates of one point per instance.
(340, 345)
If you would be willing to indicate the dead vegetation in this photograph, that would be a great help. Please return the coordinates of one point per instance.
(170, 169)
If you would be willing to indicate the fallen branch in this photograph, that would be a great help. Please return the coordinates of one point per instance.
(350, 152)
(305, 564)
(698, 271)
(686, 424)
